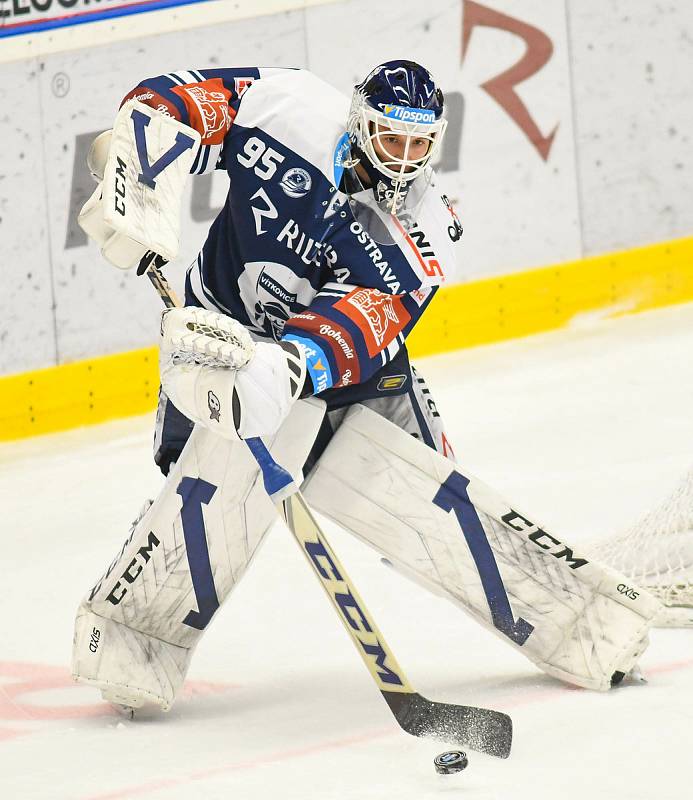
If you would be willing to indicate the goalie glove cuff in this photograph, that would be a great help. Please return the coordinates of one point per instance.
(268, 386)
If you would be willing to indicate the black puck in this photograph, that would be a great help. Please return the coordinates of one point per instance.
(450, 762)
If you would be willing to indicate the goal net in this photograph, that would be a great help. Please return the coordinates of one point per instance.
(657, 554)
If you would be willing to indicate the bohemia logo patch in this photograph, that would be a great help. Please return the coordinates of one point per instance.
(380, 317)
(208, 106)
(154, 100)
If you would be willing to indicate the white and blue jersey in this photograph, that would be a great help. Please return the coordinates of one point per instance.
(287, 256)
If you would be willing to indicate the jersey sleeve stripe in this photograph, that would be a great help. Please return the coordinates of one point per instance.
(200, 291)
(183, 77)
(195, 168)
(205, 159)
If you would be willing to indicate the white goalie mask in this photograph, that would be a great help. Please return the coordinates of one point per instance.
(396, 127)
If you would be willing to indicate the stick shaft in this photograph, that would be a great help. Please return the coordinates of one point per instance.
(480, 729)
(357, 620)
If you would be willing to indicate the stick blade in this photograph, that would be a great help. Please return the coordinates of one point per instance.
(479, 729)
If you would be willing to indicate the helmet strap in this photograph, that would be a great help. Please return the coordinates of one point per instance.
(389, 193)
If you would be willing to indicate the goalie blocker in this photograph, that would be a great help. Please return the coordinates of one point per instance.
(142, 166)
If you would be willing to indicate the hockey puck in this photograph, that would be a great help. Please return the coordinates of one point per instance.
(450, 762)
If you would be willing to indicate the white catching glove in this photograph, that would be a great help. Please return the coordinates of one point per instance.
(142, 165)
(215, 374)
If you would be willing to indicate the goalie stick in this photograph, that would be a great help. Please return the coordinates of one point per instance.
(480, 729)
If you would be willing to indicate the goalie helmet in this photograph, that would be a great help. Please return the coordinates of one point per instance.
(396, 126)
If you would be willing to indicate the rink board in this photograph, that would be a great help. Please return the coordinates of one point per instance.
(506, 307)
(575, 166)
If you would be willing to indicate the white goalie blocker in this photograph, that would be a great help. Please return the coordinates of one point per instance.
(136, 630)
(142, 166)
(577, 620)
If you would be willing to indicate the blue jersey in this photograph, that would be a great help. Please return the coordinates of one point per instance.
(288, 256)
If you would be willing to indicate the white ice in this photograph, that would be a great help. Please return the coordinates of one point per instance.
(585, 428)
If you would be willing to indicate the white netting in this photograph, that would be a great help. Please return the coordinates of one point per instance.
(197, 336)
(657, 553)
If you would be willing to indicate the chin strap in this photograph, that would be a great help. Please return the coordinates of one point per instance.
(390, 194)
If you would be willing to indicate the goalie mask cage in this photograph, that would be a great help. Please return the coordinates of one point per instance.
(657, 554)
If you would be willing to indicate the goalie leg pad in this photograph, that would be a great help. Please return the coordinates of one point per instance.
(183, 558)
(456, 537)
(130, 668)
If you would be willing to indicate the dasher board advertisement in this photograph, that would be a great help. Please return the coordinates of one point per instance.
(32, 16)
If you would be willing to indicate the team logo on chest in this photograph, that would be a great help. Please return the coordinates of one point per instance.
(272, 293)
(296, 182)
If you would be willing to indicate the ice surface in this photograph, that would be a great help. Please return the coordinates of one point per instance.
(585, 428)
